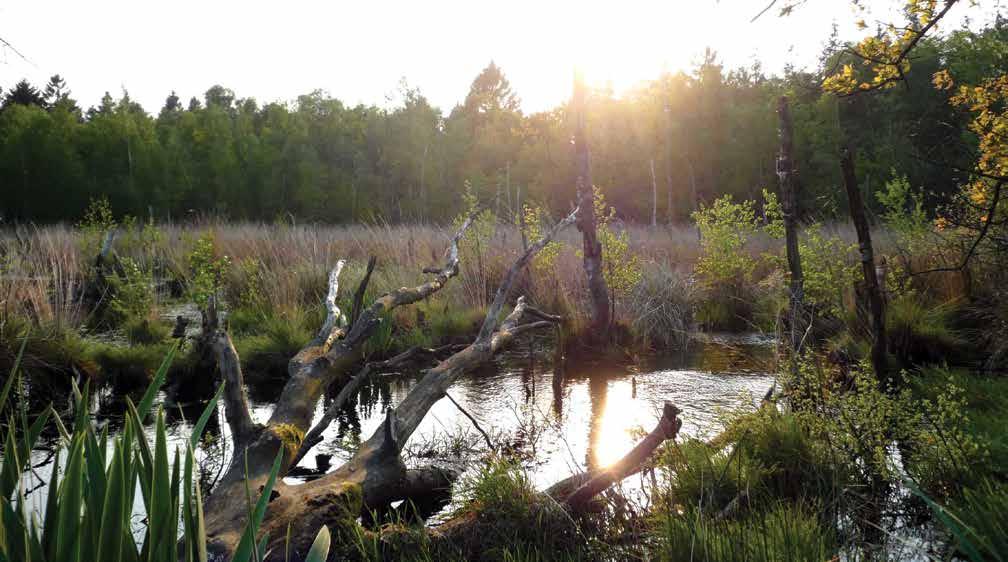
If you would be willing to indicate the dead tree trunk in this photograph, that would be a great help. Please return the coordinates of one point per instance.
(789, 204)
(587, 223)
(376, 475)
(654, 197)
(323, 362)
(872, 289)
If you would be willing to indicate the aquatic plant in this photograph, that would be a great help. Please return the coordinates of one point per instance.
(88, 511)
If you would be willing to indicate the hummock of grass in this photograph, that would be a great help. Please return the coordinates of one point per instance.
(782, 533)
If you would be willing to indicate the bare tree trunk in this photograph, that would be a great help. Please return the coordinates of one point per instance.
(693, 188)
(668, 160)
(654, 197)
(587, 223)
(872, 289)
(789, 204)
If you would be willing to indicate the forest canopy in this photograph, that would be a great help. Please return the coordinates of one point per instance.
(690, 137)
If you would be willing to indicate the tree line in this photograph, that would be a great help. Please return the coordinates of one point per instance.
(657, 152)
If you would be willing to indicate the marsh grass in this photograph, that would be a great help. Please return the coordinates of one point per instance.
(511, 516)
(781, 534)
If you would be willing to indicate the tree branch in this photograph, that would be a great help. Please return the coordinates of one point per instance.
(358, 300)
(991, 210)
(667, 428)
(503, 291)
(476, 424)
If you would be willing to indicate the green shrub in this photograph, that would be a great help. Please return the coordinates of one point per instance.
(206, 270)
(725, 268)
(829, 270)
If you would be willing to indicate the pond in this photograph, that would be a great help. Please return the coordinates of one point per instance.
(556, 424)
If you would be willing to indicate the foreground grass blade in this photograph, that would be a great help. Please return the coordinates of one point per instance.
(952, 523)
(71, 498)
(12, 375)
(244, 551)
(145, 404)
(211, 407)
(319, 550)
(49, 529)
(192, 514)
(114, 515)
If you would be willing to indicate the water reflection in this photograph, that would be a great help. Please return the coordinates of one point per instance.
(557, 423)
(588, 417)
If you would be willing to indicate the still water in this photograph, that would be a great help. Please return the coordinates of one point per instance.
(555, 424)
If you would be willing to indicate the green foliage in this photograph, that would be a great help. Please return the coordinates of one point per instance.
(620, 266)
(94, 224)
(725, 267)
(206, 270)
(829, 270)
(984, 403)
(725, 227)
(904, 213)
(982, 512)
(91, 497)
(862, 421)
(709, 130)
(89, 507)
(97, 217)
(534, 226)
(132, 291)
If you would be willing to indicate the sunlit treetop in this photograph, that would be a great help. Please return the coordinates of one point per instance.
(887, 52)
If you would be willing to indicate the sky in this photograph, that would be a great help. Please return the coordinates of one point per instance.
(360, 51)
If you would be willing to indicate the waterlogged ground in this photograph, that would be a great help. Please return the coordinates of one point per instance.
(555, 424)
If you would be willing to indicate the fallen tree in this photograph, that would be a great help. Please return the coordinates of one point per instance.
(376, 473)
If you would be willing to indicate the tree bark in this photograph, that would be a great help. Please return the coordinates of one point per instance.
(667, 428)
(587, 223)
(654, 197)
(376, 474)
(872, 289)
(323, 362)
(789, 205)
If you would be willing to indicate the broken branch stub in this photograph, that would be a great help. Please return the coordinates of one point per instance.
(236, 410)
(334, 317)
(667, 428)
